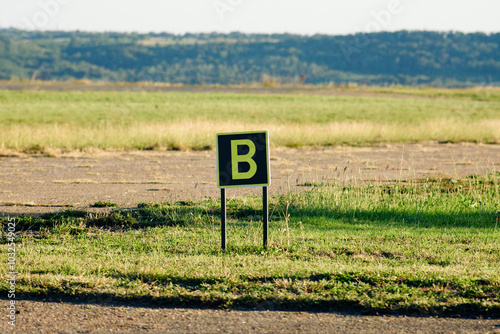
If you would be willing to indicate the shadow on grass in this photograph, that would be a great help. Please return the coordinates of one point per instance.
(137, 219)
(471, 305)
(400, 217)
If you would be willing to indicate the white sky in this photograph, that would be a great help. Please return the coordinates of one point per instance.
(305, 17)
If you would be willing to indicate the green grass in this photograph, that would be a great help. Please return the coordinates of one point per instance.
(418, 247)
(102, 204)
(47, 120)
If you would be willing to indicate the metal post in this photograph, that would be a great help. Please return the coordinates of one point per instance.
(265, 214)
(223, 218)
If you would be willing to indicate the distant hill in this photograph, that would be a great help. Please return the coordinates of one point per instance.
(407, 58)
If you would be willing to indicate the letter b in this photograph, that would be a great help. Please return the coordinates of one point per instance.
(236, 159)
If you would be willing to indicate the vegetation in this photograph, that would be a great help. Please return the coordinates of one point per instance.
(43, 121)
(444, 59)
(102, 204)
(420, 247)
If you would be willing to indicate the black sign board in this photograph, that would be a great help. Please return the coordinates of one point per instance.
(243, 160)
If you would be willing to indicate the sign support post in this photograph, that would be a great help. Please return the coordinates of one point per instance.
(265, 215)
(243, 161)
(223, 218)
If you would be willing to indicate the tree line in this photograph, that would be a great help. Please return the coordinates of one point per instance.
(446, 59)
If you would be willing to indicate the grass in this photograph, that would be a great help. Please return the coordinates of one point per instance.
(102, 204)
(422, 247)
(473, 94)
(48, 121)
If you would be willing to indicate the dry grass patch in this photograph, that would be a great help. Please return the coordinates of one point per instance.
(56, 123)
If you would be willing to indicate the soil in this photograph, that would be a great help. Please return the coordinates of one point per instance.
(32, 184)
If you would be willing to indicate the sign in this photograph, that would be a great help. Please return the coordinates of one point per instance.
(243, 160)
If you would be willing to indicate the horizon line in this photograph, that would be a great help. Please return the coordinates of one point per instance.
(249, 33)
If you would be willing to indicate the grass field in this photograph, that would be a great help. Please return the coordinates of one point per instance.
(48, 121)
(423, 247)
(418, 247)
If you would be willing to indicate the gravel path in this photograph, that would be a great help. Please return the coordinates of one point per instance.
(31, 184)
(39, 317)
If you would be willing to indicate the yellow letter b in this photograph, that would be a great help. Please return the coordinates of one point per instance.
(236, 159)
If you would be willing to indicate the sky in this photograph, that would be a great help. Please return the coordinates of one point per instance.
(305, 17)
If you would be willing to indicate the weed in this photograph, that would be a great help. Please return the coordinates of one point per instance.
(101, 204)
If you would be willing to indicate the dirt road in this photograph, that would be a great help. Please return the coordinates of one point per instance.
(40, 317)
